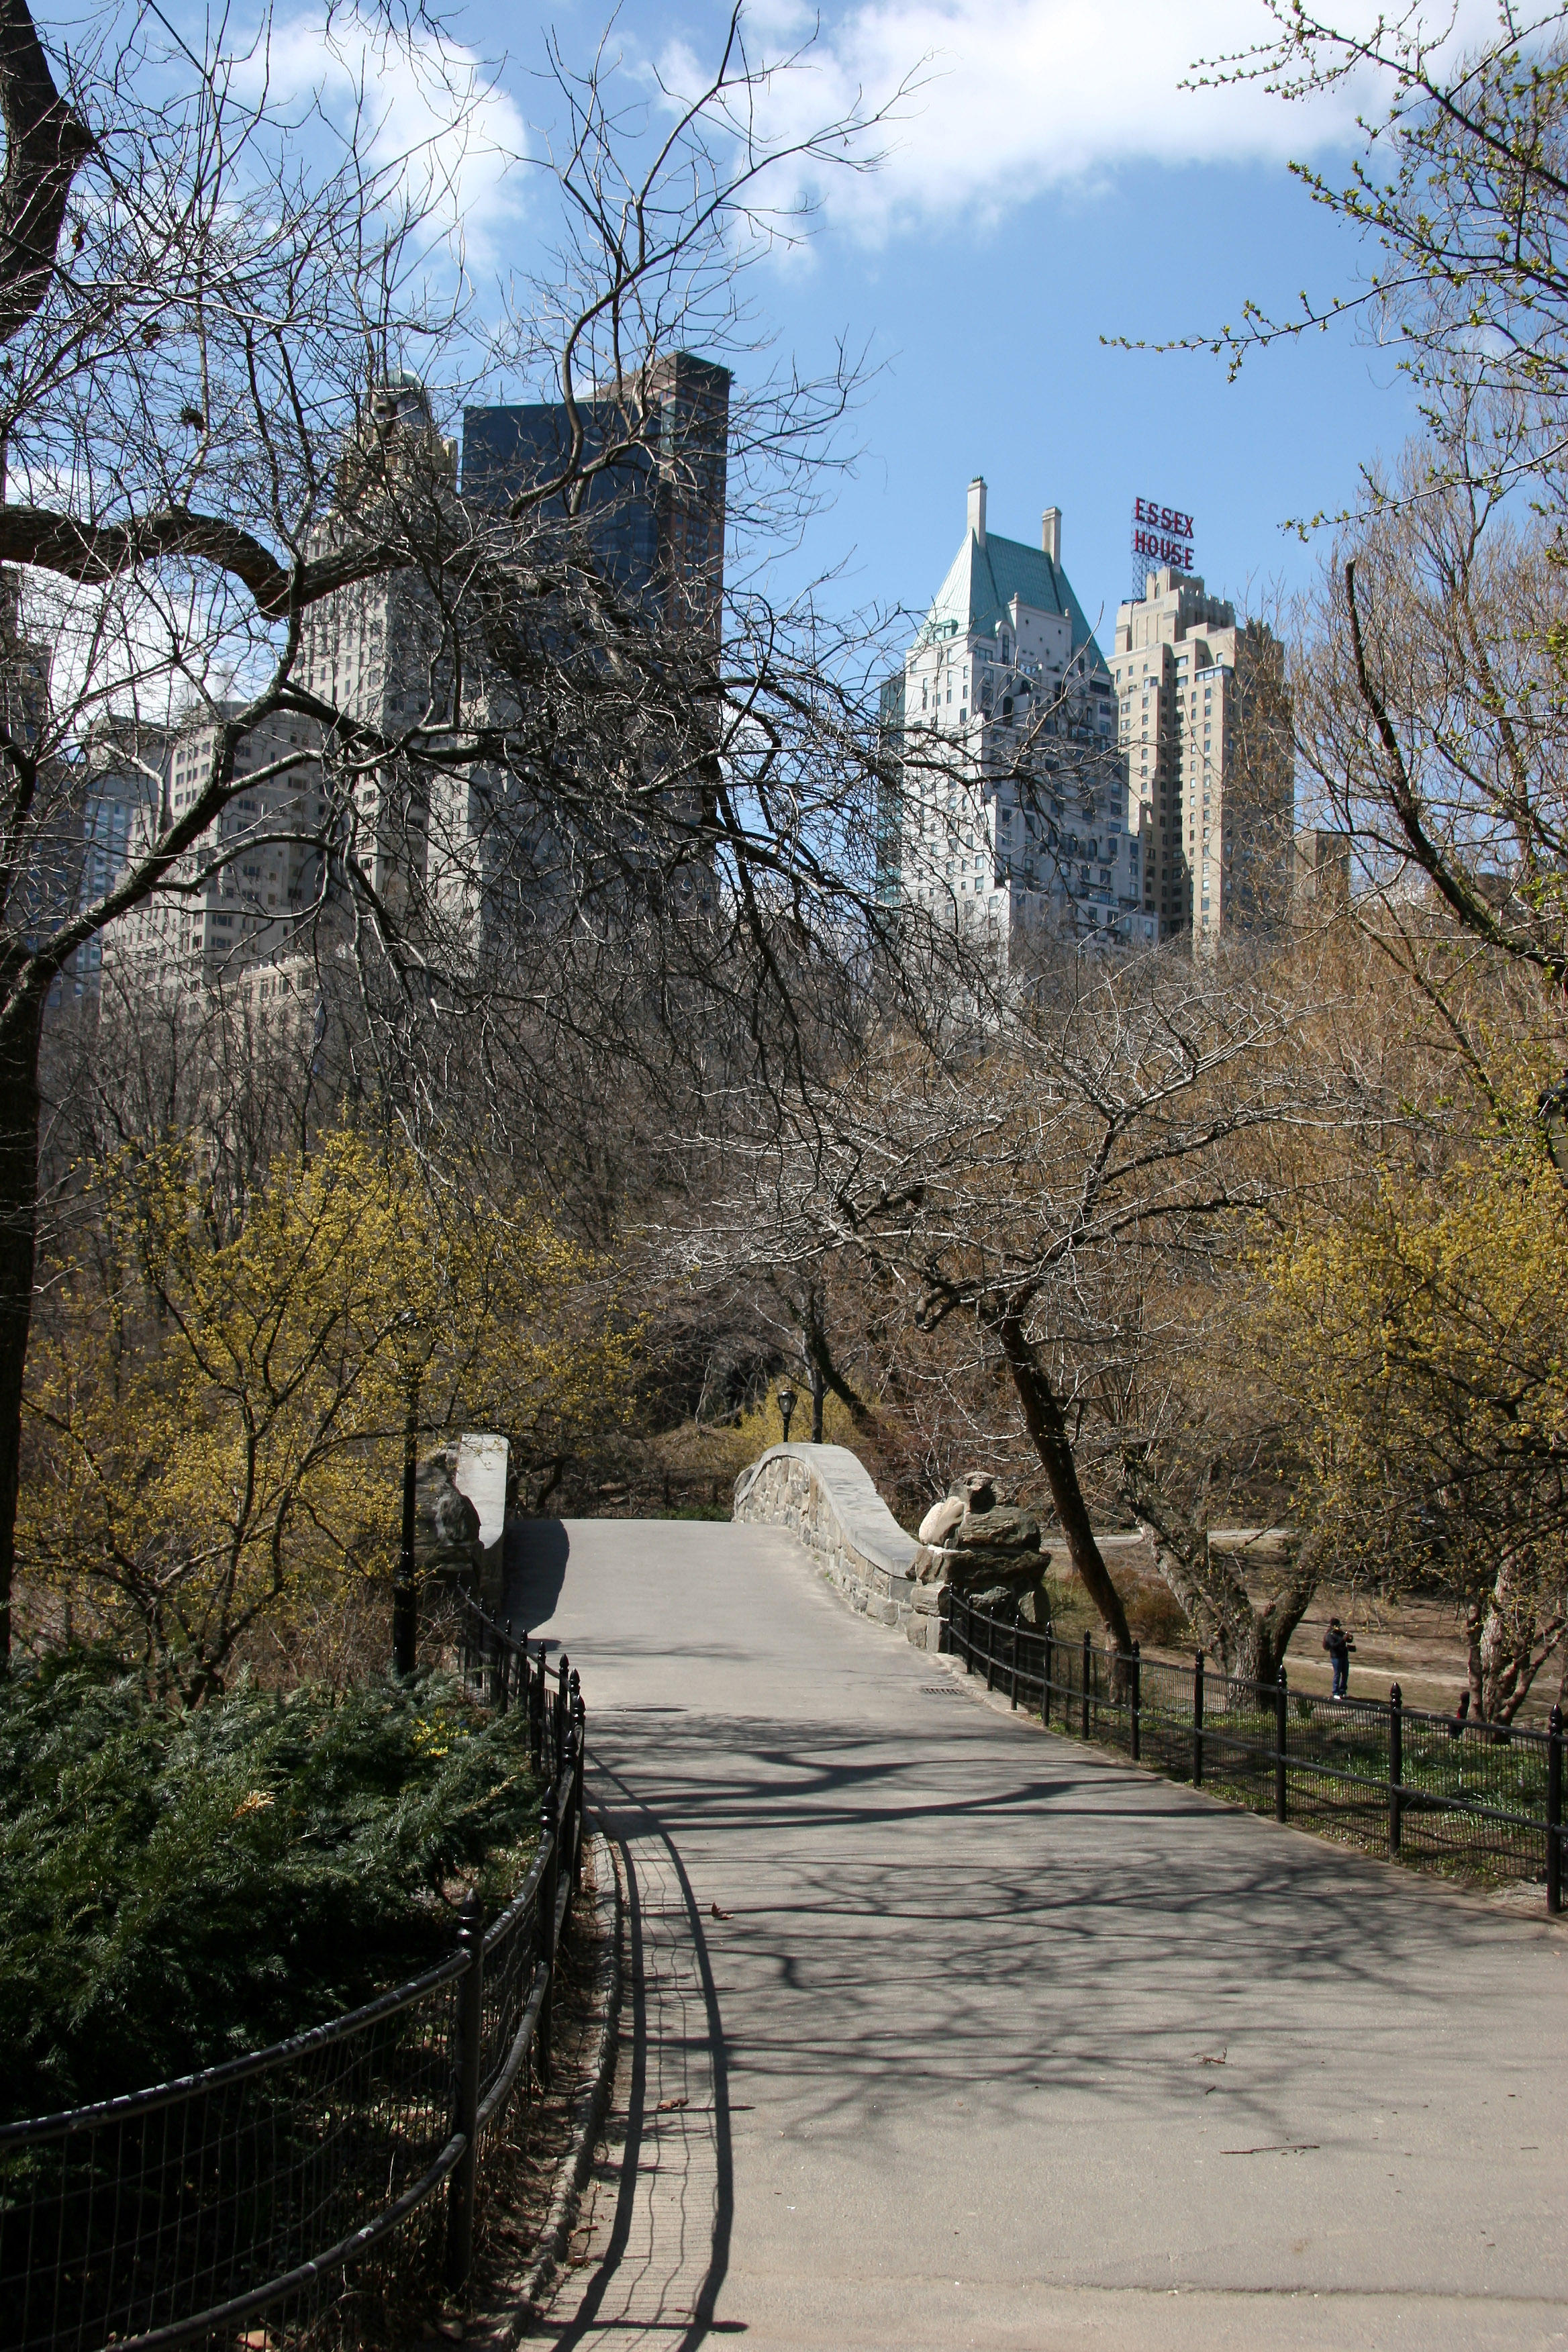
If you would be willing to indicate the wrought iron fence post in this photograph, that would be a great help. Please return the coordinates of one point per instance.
(562, 1707)
(944, 1621)
(990, 1624)
(1395, 1762)
(1554, 1812)
(536, 1710)
(1045, 1677)
(469, 2027)
(1137, 1694)
(1282, 1731)
(580, 1725)
(968, 1634)
(549, 1881)
(1088, 1667)
(1013, 1668)
(1198, 1720)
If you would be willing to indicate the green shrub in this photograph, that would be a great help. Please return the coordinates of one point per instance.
(178, 1887)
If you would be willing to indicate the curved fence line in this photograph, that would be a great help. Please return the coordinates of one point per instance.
(246, 2191)
(1473, 1799)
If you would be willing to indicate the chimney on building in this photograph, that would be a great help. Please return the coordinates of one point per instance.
(977, 509)
(1051, 533)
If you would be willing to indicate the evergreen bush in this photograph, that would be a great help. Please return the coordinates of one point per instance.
(177, 1888)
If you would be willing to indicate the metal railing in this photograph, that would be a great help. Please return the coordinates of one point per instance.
(1478, 1800)
(228, 2207)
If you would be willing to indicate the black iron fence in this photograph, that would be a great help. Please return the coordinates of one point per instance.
(228, 2207)
(1484, 1800)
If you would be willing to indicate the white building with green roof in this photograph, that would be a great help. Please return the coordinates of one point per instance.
(1012, 810)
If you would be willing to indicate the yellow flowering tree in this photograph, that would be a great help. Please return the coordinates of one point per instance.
(1420, 1331)
(218, 1404)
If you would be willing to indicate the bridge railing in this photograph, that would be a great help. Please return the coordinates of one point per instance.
(825, 1496)
(229, 2206)
(1478, 1800)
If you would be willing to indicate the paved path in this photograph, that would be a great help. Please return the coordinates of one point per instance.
(997, 2043)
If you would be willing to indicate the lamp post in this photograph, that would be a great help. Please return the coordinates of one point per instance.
(786, 1406)
(404, 1590)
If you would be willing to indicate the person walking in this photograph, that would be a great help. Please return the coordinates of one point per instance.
(1338, 1645)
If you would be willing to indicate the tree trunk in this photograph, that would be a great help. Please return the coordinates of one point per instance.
(1247, 1642)
(21, 1028)
(1507, 1648)
(1046, 1425)
(824, 1370)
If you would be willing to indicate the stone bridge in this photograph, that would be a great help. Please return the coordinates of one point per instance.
(943, 2030)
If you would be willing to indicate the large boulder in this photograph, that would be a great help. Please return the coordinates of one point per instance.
(988, 1551)
(446, 1524)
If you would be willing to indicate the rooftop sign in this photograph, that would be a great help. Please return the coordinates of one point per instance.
(1160, 535)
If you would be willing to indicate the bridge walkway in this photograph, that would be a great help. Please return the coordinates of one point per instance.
(945, 2031)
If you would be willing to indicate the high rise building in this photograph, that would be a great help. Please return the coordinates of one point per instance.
(215, 922)
(651, 519)
(1203, 727)
(654, 512)
(1011, 803)
(1320, 877)
(383, 652)
(380, 650)
(123, 786)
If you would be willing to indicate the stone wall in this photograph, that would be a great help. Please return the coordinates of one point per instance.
(824, 1495)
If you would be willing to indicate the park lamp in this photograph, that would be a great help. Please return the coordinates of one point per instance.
(786, 1406)
(405, 1583)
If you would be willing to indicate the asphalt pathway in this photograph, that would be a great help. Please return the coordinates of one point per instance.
(946, 2032)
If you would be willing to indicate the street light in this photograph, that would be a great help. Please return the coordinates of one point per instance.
(404, 1590)
(786, 1406)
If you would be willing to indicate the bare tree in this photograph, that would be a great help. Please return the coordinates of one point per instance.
(1039, 1182)
(595, 813)
(1461, 195)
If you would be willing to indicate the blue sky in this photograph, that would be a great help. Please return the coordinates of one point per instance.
(1051, 183)
(1025, 393)
(1048, 182)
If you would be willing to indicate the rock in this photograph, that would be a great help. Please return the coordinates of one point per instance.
(988, 1551)
(941, 1518)
(930, 1564)
(992, 1599)
(1034, 1606)
(446, 1524)
(1004, 1534)
(1028, 1604)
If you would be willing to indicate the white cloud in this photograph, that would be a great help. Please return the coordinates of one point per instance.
(422, 109)
(1019, 96)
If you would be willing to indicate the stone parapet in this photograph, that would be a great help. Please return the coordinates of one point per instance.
(824, 1495)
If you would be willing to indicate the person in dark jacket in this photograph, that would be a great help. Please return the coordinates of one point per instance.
(1338, 1645)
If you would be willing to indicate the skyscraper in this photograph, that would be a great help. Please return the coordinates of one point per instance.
(1012, 802)
(652, 506)
(238, 898)
(1204, 725)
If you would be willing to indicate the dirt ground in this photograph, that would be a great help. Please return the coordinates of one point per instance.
(1413, 1640)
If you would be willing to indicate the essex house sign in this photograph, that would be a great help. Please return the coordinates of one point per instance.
(1160, 535)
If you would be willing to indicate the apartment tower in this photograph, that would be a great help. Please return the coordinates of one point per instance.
(1204, 727)
(1010, 814)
